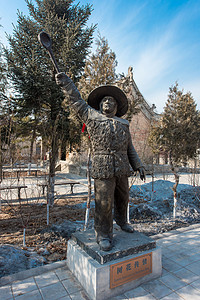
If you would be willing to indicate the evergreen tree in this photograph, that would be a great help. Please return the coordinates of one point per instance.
(31, 71)
(99, 68)
(4, 109)
(178, 131)
(3, 80)
(3, 74)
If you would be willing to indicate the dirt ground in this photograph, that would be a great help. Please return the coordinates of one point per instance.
(33, 217)
(39, 236)
(52, 245)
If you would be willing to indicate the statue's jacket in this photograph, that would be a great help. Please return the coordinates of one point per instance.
(112, 148)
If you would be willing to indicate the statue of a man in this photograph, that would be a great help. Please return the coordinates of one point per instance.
(112, 151)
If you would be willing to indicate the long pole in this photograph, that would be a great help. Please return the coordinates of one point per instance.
(89, 192)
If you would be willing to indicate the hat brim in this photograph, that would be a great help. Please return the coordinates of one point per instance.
(99, 93)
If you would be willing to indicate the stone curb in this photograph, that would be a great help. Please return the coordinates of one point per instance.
(31, 272)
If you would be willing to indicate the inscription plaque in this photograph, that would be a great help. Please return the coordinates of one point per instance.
(130, 269)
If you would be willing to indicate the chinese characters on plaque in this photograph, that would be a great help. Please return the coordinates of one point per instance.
(131, 269)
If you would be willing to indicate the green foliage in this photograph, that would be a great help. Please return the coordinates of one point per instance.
(6, 121)
(66, 24)
(178, 131)
(37, 97)
(3, 74)
(99, 68)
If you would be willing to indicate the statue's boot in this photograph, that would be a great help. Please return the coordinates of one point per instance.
(127, 227)
(105, 244)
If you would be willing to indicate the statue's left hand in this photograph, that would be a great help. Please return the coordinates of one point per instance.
(141, 170)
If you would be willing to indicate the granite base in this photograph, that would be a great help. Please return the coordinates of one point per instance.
(93, 267)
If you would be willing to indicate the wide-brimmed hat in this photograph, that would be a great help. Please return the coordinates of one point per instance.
(99, 93)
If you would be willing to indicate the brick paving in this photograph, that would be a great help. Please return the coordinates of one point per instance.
(180, 278)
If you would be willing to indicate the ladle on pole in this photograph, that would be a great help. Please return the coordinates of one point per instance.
(46, 42)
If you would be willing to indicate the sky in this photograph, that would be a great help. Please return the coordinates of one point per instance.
(160, 39)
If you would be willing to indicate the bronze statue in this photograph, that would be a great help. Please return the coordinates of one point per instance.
(112, 151)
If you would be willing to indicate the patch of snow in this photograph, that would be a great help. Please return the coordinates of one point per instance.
(162, 190)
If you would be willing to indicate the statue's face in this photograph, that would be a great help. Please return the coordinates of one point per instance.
(108, 105)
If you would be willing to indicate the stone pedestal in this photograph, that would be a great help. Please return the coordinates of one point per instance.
(134, 259)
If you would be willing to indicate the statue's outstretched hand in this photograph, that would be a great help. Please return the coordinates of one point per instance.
(141, 170)
(61, 79)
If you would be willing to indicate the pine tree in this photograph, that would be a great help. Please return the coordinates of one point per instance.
(99, 68)
(4, 109)
(178, 131)
(31, 71)
(3, 74)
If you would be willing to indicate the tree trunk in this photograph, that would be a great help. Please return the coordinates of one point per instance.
(51, 188)
(41, 150)
(1, 164)
(32, 141)
(174, 188)
(9, 141)
(63, 149)
(47, 211)
(52, 164)
(31, 150)
(194, 172)
(152, 182)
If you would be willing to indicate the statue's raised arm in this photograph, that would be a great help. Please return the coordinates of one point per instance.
(72, 96)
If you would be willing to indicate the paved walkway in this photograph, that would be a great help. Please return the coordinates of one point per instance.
(180, 278)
